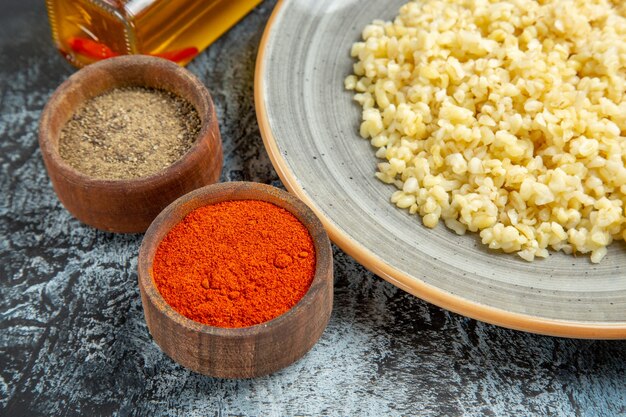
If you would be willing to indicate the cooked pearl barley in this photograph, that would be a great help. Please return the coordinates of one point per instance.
(506, 118)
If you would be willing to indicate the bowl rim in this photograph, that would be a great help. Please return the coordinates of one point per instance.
(323, 254)
(414, 286)
(84, 74)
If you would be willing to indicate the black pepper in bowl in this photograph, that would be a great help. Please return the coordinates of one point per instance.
(129, 133)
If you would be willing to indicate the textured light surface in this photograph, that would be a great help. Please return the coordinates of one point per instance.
(73, 340)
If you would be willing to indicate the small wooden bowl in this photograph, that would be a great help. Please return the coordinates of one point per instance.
(237, 352)
(128, 206)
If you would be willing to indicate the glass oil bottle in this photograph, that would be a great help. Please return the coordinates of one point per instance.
(85, 31)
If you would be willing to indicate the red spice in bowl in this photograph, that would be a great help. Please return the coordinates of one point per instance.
(235, 263)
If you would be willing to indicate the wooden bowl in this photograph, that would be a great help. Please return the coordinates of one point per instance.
(128, 206)
(237, 352)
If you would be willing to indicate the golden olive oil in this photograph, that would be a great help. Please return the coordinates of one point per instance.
(86, 31)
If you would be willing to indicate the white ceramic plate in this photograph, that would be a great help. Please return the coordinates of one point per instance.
(310, 128)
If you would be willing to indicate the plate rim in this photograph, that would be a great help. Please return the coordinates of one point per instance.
(412, 285)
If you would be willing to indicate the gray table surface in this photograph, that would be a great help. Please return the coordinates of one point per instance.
(73, 340)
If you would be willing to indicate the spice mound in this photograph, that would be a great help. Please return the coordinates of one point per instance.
(129, 133)
(235, 263)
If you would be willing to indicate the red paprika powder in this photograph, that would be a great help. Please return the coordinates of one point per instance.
(235, 263)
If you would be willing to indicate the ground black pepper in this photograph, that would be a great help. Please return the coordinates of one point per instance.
(129, 133)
